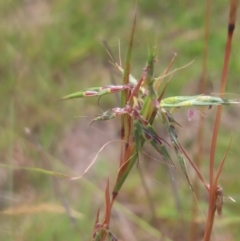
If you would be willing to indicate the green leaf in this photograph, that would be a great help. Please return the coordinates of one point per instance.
(169, 124)
(197, 100)
(149, 134)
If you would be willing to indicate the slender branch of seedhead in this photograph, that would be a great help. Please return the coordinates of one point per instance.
(195, 168)
(213, 198)
(231, 26)
(212, 180)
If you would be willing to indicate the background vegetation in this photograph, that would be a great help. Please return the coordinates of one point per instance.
(53, 48)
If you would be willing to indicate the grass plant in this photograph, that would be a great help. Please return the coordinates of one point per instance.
(52, 48)
(141, 102)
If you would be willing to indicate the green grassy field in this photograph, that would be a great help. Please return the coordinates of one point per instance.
(53, 48)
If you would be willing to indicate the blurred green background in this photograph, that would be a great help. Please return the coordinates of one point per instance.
(53, 48)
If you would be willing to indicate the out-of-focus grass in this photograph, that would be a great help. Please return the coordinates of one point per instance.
(52, 48)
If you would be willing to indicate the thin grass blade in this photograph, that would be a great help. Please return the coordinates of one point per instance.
(149, 134)
(129, 159)
(197, 100)
(169, 124)
(96, 91)
(110, 114)
(107, 206)
(182, 163)
(35, 169)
